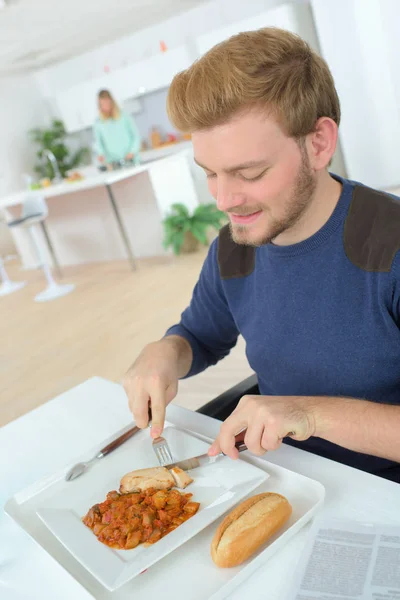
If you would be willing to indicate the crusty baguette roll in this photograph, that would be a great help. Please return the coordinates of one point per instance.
(143, 479)
(247, 527)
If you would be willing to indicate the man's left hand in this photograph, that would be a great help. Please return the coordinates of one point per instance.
(266, 420)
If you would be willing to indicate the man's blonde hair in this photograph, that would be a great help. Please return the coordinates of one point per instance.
(269, 68)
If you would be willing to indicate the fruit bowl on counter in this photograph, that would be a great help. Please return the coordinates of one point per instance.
(73, 177)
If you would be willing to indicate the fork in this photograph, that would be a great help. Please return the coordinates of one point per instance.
(160, 447)
(162, 451)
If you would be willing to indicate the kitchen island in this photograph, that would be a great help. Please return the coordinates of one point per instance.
(109, 215)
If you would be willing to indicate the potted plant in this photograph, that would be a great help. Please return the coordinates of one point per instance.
(53, 139)
(184, 231)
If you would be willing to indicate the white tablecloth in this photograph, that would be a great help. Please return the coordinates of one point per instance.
(51, 436)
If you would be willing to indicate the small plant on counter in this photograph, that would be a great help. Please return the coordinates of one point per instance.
(53, 139)
(184, 231)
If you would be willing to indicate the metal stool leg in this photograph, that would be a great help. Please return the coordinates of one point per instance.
(51, 248)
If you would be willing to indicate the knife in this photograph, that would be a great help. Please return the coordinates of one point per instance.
(203, 460)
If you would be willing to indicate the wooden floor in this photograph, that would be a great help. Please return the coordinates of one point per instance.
(47, 348)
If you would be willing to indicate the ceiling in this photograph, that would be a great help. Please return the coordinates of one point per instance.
(38, 33)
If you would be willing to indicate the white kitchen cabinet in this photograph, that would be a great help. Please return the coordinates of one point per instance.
(77, 106)
(153, 73)
(169, 63)
(70, 109)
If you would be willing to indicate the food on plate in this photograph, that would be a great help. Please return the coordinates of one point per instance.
(123, 521)
(247, 527)
(142, 479)
(182, 479)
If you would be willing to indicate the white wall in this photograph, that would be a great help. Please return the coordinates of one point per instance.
(21, 108)
(361, 43)
(174, 32)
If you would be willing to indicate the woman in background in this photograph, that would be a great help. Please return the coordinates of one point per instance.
(116, 134)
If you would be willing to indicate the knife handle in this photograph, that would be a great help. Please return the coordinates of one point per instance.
(118, 441)
(240, 446)
(121, 439)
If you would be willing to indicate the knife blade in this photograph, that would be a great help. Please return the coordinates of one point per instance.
(203, 460)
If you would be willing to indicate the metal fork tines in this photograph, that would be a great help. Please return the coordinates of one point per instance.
(162, 451)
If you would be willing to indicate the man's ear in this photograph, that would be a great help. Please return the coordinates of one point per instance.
(321, 143)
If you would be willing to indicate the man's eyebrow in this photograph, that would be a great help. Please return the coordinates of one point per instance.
(246, 165)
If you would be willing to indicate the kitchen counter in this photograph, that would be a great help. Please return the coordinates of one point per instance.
(81, 222)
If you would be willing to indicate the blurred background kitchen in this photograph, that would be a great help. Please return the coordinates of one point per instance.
(94, 260)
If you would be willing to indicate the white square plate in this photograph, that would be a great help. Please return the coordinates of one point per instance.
(217, 487)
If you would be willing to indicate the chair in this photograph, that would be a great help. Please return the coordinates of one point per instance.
(221, 407)
(34, 212)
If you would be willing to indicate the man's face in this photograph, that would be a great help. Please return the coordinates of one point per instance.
(260, 177)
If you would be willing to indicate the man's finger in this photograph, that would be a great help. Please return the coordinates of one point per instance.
(140, 408)
(137, 398)
(158, 394)
(229, 428)
(271, 439)
(253, 438)
(214, 449)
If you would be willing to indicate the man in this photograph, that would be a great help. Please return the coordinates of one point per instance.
(308, 271)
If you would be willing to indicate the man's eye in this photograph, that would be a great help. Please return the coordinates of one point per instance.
(211, 175)
(256, 178)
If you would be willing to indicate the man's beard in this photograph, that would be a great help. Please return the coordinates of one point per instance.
(298, 202)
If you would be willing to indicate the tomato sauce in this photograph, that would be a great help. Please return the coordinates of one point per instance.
(123, 521)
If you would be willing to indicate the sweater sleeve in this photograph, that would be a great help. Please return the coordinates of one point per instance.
(134, 134)
(100, 148)
(207, 324)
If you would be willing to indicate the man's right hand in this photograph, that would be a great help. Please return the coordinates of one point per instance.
(153, 378)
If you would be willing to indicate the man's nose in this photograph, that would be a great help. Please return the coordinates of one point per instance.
(227, 197)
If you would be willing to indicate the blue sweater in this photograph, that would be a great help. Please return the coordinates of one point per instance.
(319, 318)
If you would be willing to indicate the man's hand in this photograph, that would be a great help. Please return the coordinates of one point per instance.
(153, 378)
(267, 420)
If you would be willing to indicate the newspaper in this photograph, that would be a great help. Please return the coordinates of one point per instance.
(348, 561)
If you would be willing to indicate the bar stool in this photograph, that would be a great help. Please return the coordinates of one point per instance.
(34, 212)
(7, 285)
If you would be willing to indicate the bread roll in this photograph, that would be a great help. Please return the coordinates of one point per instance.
(143, 479)
(247, 527)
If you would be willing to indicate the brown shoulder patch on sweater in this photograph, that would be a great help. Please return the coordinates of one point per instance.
(234, 260)
(372, 230)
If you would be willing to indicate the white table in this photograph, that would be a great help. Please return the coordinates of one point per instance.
(49, 437)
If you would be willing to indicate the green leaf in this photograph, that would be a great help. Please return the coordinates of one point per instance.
(53, 139)
(179, 221)
(199, 232)
(180, 209)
